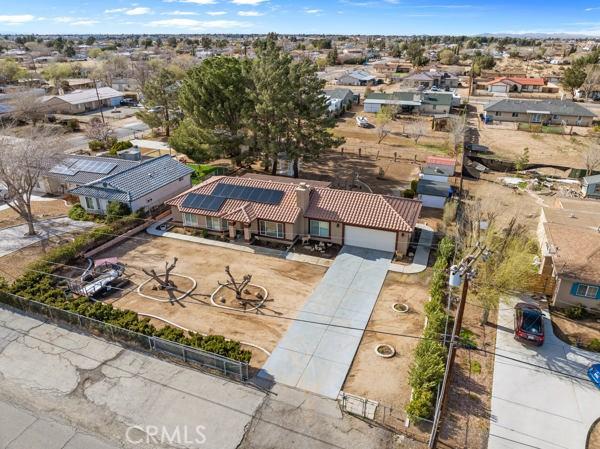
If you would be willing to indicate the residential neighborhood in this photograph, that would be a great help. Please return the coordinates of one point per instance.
(261, 224)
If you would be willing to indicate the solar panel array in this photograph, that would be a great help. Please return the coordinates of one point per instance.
(71, 167)
(206, 202)
(254, 194)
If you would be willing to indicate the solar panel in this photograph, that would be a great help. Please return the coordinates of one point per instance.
(91, 166)
(254, 194)
(206, 202)
(62, 170)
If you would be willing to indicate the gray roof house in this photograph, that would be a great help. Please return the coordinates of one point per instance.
(424, 102)
(77, 170)
(590, 186)
(357, 78)
(433, 193)
(82, 100)
(555, 112)
(432, 78)
(145, 186)
(346, 96)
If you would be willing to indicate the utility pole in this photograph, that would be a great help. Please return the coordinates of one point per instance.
(98, 97)
(464, 270)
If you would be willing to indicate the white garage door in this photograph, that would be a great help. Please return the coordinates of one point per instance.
(370, 238)
(372, 107)
(499, 88)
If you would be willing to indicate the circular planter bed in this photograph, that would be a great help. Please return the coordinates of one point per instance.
(225, 298)
(386, 351)
(186, 284)
(400, 307)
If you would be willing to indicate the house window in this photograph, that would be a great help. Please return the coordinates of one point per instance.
(319, 228)
(515, 114)
(190, 219)
(587, 291)
(216, 224)
(498, 114)
(90, 203)
(271, 229)
(556, 117)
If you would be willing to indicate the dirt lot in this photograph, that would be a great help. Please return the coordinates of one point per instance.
(386, 380)
(41, 210)
(466, 422)
(575, 332)
(288, 284)
(508, 143)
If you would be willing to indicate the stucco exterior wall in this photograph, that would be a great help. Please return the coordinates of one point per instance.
(563, 297)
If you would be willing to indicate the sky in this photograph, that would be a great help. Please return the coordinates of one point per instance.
(389, 17)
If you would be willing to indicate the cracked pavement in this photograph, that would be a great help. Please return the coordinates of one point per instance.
(64, 390)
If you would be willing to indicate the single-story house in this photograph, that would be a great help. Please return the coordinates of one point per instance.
(411, 101)
(85, 100)
(125, 84)
(345, 96)
(506, 84)
(570, 246)
(438, 169)
(590, 187)
(77, 170)
(432, 78)
(554, 112)
(145, 186)
(357, 78)
(266, 209)
(433, 194)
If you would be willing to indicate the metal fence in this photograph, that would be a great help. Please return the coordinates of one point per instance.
(194, 357)
(391, 418)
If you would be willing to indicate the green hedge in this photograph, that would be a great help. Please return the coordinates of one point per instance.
(37, 284)
(429, 363)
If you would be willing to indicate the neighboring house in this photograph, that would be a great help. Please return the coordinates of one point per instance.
(507, 84)
(80, 101)
(433, 194)
(438, 169)
(433, 78)
(345, 96)
(76, 170)
(357, 78)
(145, 186)
(590, 187)
(411, 101)
(554, 112)
(125, 84)
(255, 208)
(570, 247)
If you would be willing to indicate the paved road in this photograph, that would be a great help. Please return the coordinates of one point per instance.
(534, 407)
(317, 355)
(59, 387)
(15, 238)
(130, 130)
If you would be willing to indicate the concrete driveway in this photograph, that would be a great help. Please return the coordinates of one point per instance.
(534, 407)
(13, 239)
(316, 354)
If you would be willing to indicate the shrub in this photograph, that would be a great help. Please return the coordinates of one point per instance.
(408, 193)
(72, 125)
(77, 212)
(119, 146)
(594, 345)
(577, 312)
(96, 145)
(421, 404)
(116, 210)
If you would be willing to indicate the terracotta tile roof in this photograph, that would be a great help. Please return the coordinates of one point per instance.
(519, 80)
(435, 160)
(363, 209)
(352, 208)
(286, 211)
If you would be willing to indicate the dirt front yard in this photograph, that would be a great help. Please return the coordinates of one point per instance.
(41, 210)
(385, 380)
(288, 285)
(580, 332)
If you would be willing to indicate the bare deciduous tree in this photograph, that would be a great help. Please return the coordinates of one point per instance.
(22, 163)
(383, 118)
(97, 130)
(592, 80)
(417, 129)
(591, 157)
(27, 105)
(457, 130)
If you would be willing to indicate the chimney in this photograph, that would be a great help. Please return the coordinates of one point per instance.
(302, 196)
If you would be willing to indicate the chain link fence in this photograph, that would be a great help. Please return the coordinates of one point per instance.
(194, 357)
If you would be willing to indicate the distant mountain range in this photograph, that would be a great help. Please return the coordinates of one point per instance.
(543, 35)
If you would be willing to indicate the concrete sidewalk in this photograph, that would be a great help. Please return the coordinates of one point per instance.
(421, 257)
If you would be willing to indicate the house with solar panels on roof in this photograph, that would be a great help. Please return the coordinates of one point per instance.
(282, 210)
(143, 185)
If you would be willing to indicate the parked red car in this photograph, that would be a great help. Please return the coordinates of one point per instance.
(529, 324)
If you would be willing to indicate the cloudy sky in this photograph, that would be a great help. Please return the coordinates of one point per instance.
(305, 16)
